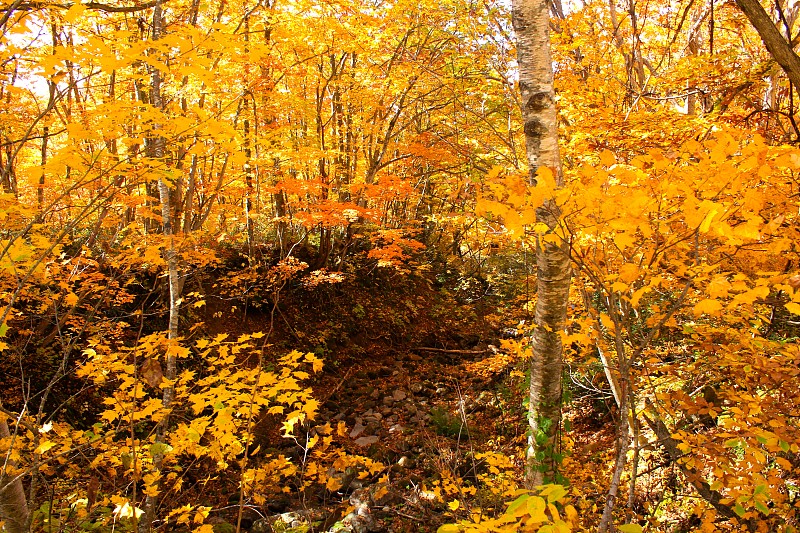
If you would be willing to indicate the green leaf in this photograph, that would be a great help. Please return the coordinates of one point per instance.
(3, 329)
(555, 494)
(762, 507)
(518, 507)
(159, 448)
(739, 510)
(630, 528)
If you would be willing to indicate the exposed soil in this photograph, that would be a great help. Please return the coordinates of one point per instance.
(423, 387)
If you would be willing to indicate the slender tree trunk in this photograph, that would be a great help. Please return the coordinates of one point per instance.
(623, 443)
(13, 505)
(156, 151)
(40, 190)
(531, 26)
(248, 152)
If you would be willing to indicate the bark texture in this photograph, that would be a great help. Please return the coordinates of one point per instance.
(156, 151)
(776, 44)
(532, 28)
(13, 505)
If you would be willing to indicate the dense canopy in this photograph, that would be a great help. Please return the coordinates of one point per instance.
(218, 216)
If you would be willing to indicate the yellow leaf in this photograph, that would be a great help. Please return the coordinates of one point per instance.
(74, 12)
(793, 308)
(606, 321)
(453, 505)
(607, 158)
(708, 306)
(618, 286)
(201, 514)
(638, 296)
(628, 272)
(494, 172)
(706, 224)
(333, 484)
(43, 447)
(718, 287)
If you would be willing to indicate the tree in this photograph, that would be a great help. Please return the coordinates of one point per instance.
(13, 505)
(532, 28)
(781, 50)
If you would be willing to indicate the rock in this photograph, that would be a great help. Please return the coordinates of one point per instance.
(367, 441)
(388, 400)
(294, 521)
(220, 525)
(375, 394)
(416, 388)
(262, 525)
(290, 520)
(398, 395)
(358, 429)
(361, 519)
(386, 411)
(278, 504)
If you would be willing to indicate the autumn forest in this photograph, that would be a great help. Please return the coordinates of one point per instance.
(454, 266)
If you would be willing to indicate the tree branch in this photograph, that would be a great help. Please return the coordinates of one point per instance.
(29, 6)
(777, 46)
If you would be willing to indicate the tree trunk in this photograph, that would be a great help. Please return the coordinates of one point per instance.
(156, 152)
(776, 44)
(13, 505)
(531, 26)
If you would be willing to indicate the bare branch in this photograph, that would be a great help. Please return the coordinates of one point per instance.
(97, 6)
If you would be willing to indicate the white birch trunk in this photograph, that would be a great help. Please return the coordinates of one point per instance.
(13, 505)
(156, 151)
(532, 28)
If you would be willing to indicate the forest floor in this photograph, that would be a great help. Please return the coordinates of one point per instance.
(431, 399)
